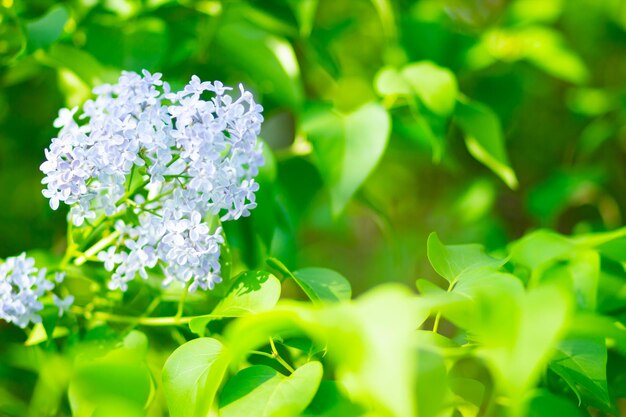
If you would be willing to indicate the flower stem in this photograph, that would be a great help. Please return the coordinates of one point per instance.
(181, 302)
(97, 247)
(141, 321)
(280, 360)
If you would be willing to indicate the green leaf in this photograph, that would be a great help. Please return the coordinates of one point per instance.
(265, 57)
(546, 404)
(145, 44)
(13, 41)
(330, 402)
(536, 325)
(484, 138)
(323, 285)
(304, 11)
(347, 148)
(370, 343)
(85, 66)
(580, 275)
(491, 298)
(435, 86)
(279, 267)
(47, 29)
(538, 248)
(110, 373)
(451, 262)
(430, 397)
(262, 391)
(582, 364)
(546, 49)
(389, 81)
(191, 376)
(252, 292)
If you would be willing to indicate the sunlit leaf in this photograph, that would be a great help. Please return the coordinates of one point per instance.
(430, 397)
(539, 247)
(451, 262)
(262, 391)
(118, 373)
(192, 375)
(348, 148)
(323, 285)
(435, 86)
(389, 81)
(484, 139)
(85, 66)
(252, 292)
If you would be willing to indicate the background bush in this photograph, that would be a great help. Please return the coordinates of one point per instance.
(480, 119)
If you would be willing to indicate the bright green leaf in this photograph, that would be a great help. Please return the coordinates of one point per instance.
(252, 292)
(546, 49)
(389, 81)
(85, 66)
(539, 247)
(451, 262)
(348, 148)
(430, 396)
(321, 284)
(191, 376)
(435, 86)
(117, 373)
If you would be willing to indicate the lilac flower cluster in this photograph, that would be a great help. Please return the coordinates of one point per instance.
(21, 288)
(174, 159)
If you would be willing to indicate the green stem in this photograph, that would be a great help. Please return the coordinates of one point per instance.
(280, 360)
(436, 323)
(181, 302)
(141, 321)
(438, 315)
(100, 245)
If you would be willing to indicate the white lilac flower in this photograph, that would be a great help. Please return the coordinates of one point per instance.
(21, 287)
(63, 304)
(176, 159)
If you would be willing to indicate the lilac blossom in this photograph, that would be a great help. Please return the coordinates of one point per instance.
(179, 161)
(22, 286)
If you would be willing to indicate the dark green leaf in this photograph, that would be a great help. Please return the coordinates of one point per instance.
(582, 364)
(47, 29)
(484, 139)
(264, 392)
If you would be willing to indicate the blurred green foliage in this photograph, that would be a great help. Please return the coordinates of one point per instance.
(385, 118)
